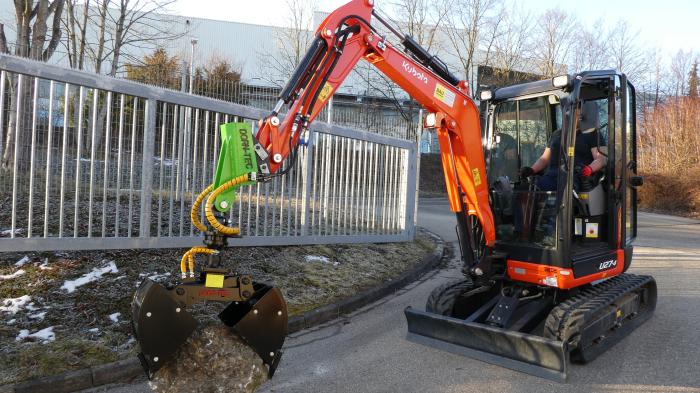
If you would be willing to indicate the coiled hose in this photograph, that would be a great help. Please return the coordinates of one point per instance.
(188, 257)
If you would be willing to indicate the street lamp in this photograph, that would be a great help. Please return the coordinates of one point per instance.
(193, 41)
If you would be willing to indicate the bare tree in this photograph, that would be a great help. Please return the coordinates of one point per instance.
(471, 27)
(624, 52)
(76, 26)
(554, 35)
(590, 52)
(680, 67)
(512, 46)
(33, 40)
(291, 42)
(422, 20)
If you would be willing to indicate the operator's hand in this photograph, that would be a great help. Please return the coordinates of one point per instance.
(526, 171)
(586, 171)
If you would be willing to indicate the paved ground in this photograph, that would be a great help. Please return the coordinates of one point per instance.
(367, 351)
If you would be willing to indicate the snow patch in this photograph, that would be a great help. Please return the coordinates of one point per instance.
(22, 261)
(8, 232)
(96, 273)
(93, 330)
(13, 305)
(11, 321)
(43, 335)
(38, 316)
(158, 277)
(16, 274)
(317, 258)
(115, 317)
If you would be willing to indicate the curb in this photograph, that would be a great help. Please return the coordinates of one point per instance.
(126, 370)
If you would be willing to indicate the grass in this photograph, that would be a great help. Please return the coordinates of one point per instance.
(36, 360)
(305, 284)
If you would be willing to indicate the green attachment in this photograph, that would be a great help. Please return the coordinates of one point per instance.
(236, 158)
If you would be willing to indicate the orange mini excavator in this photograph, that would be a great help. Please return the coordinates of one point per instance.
(544, 266)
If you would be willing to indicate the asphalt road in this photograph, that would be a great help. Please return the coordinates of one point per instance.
(367, 351)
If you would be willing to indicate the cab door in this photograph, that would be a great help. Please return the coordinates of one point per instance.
(624, 159)
(632, 179)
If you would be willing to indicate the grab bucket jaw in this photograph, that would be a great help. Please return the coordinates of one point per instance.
(161, 324)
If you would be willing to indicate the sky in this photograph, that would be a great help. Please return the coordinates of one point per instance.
(669, 25)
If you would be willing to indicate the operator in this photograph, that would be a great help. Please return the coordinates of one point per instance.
(588, 158)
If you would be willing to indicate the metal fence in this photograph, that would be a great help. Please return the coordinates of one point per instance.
(101, 163)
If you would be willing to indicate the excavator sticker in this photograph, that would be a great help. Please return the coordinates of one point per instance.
(445, 95)
(477, 176)
(325, 91)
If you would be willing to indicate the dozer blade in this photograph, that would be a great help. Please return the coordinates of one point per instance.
(160, 325)
(523, 352)
(261, 322)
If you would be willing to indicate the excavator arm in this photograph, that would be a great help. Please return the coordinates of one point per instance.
(344, 38)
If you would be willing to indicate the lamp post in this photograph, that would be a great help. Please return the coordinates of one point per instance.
(193, 41)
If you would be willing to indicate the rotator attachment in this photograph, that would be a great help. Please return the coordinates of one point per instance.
(256, 312)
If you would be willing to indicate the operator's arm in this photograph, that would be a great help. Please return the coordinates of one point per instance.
(599, 160)
(543, 161)
(598, 151)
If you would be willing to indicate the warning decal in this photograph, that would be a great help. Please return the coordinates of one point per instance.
(477, 176)
(591, 230)
(445, 95)
(325, 91)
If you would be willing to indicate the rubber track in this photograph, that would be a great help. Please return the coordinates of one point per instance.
(442, 299)
(567, 319)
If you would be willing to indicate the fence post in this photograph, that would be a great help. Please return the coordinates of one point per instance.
(307, 177)
(411, 183)
(149, 139)
(419, 137)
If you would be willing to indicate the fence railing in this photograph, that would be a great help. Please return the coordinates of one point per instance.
(92, 162)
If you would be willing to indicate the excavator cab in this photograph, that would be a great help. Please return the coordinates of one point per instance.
(552, 289)
(585, 218)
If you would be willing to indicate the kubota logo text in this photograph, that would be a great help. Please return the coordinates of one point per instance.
(412, 70)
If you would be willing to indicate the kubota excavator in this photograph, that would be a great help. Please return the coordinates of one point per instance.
(544, 271)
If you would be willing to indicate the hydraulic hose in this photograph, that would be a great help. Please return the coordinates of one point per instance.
(208, 212)
(188, 259)
(194, 213)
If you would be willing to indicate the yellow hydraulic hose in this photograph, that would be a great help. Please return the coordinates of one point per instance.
(188, 258)
(230, 231)
(194, 213)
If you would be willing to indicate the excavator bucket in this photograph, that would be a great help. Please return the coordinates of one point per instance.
(523, 352)
(161, 323)
(261, 322)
